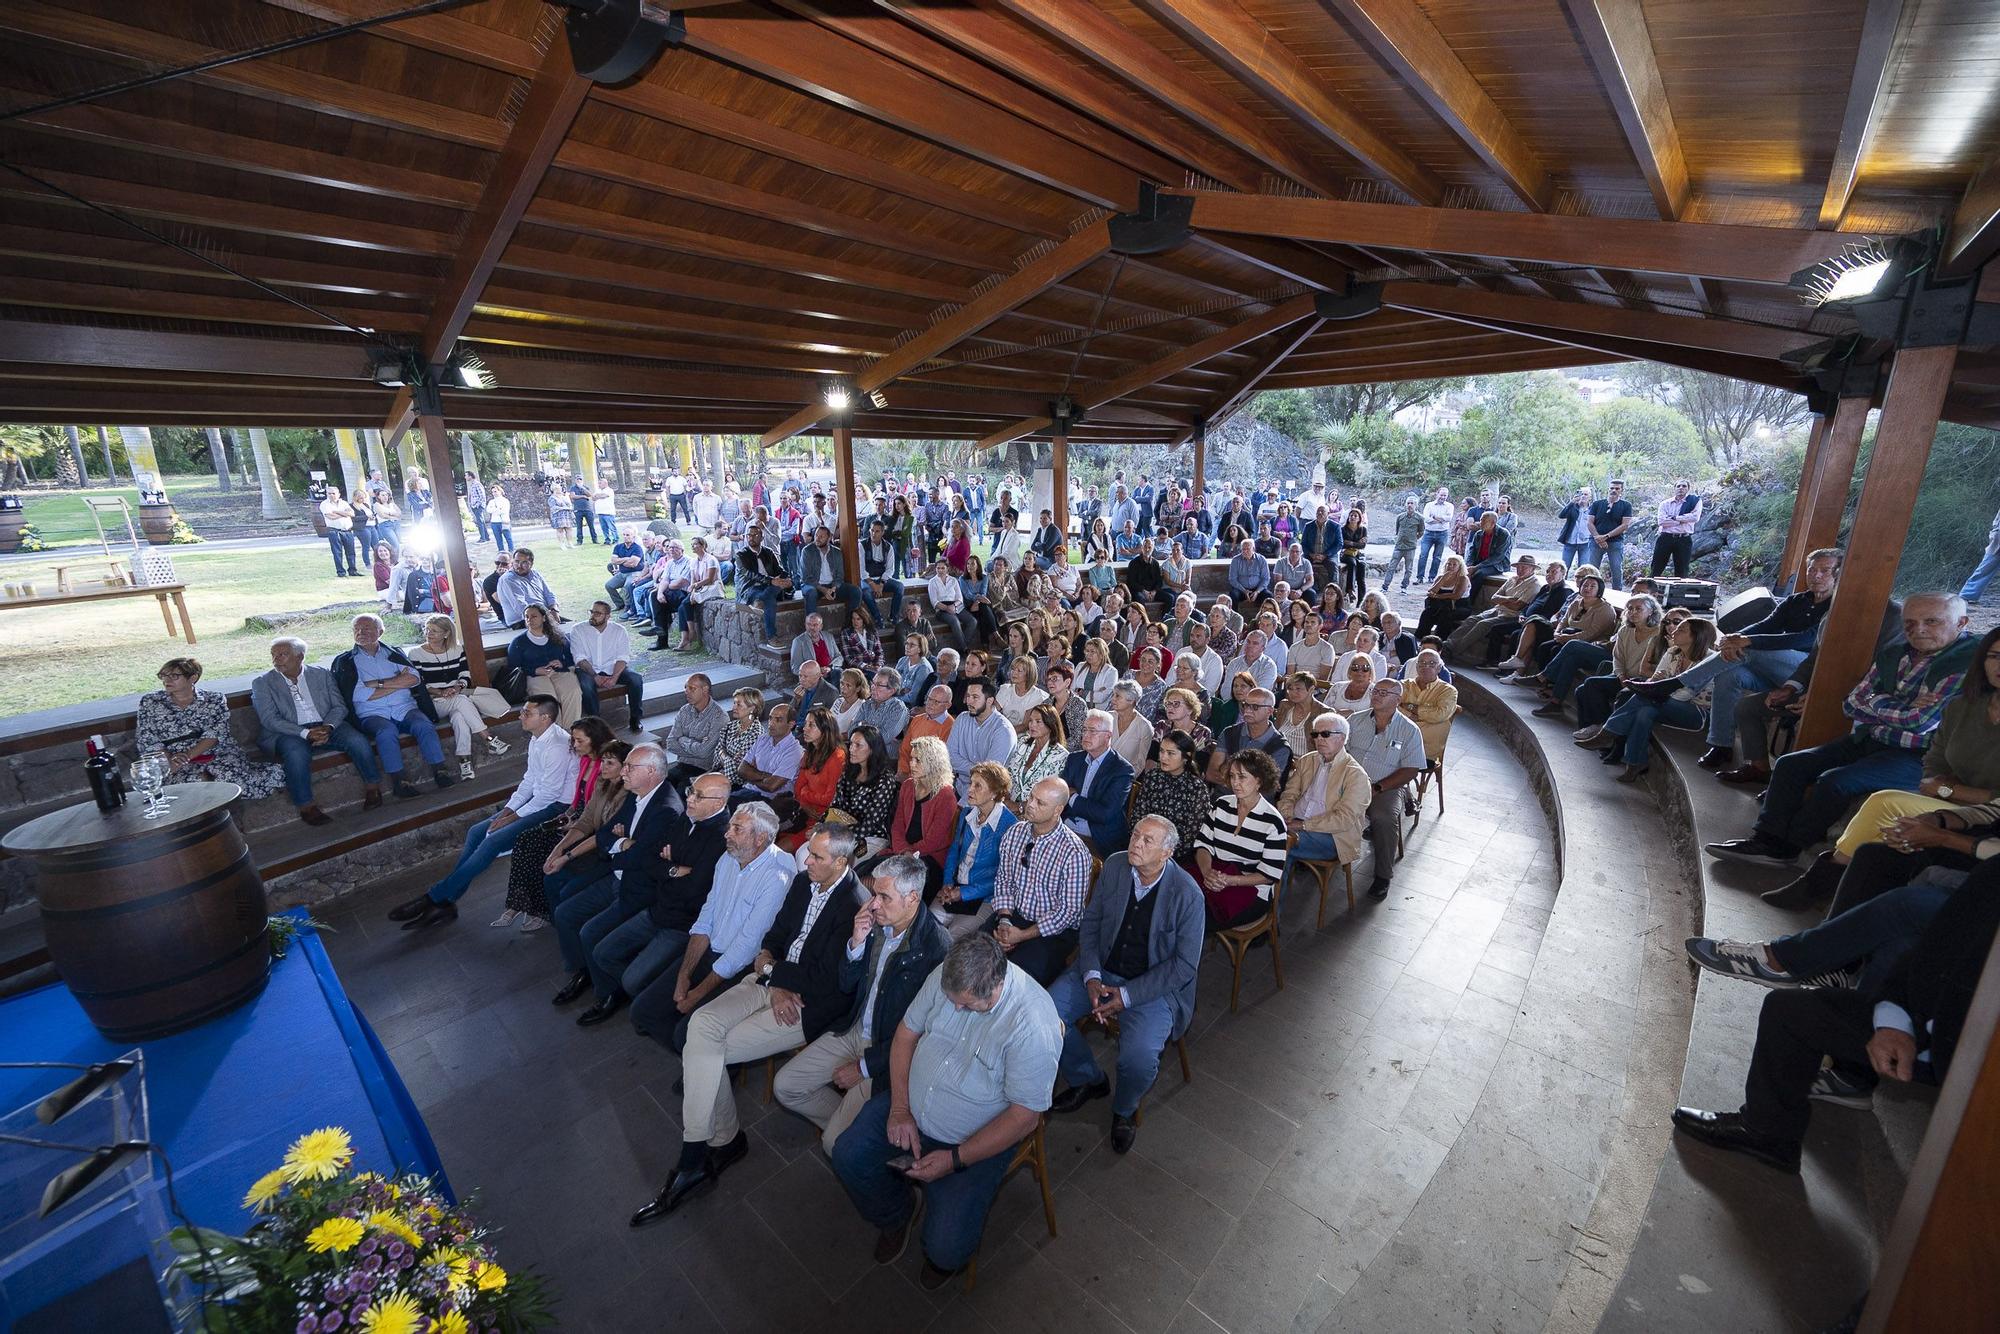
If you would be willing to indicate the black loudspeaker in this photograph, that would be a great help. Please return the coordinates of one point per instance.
(1697, 595)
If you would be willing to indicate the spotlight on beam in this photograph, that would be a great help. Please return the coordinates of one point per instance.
(466, 371)
(837, 397)
(878, 398)
(1854, 273)
(388, 368)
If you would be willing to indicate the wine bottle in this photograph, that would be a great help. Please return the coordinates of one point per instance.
(106, 784)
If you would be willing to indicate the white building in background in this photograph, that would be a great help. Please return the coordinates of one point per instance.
(1438, 415)
(1595, 389)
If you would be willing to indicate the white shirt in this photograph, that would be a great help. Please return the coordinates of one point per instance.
(1277, 651)
(339, 515)
(302, 702)
(945, 592)
(1340, 667)
(499, 509)
(1211, 667)
(817, 904)
(638, 809)
(604, 502)
(1312, 657)
(601, 648)
(706, 506)
(677, 485)
(1014, 705)
(1439, 516)
(551, 776)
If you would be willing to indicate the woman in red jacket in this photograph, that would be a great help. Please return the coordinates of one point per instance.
(819, 772)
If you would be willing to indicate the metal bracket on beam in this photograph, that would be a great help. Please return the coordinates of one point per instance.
(1065, 413)
(1159, 224)
(1359, 301)
(612, 40)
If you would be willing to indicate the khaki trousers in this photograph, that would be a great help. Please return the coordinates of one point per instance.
(736, 1026)
(806, 1085)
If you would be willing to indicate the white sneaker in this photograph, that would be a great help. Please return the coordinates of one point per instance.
(531, 924)
(465, 768)
(506, 918)
(1511, 665)
(1588, 733)
(496, 745)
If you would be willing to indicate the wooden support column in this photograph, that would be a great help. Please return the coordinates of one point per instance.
(1792, 562)
(437, 449)
(1200, 459)
(843, 496)
(1059, 462)
(1918, 381)
(1828, 499)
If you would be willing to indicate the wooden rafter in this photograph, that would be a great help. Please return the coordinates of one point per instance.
(1717, 335)
(1864, 97)
(1065, 259)
(1713, 250)
(1974, 238)
(1620, 47)
(1288, 342)
(1404, 38)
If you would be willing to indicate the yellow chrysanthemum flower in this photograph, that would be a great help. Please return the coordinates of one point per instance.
(264, 1189)
(393, 1315)
(491, 1278)
(451, 1322)
(458, 1269)
(336, 1234)
(318, 1155)
(395, 1226)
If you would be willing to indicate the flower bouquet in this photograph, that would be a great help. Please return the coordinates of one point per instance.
(334, 1250)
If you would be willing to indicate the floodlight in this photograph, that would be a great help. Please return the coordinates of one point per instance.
(837, 397)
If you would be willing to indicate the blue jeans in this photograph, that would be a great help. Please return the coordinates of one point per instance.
(639, 601)
(607, 527)
(770, 598)
(614, 588)
(579, 905)
(671, 605)
(479, 518)
(1575, 554)
(1636, 718)
(635, 694)
(1880, 931)
(387, 734)
(1575, 658)
(483, 846)
(848, 595)
(1430, 554)
(1611, 562)
(503, 535)
(1812, 788)
(390, 531)
(893, 589)
(1143, 1031)
(1315, 847)
(1989, 565)
(582, 520)
(1760, 670)
(955, 1205)
(633, 954)
(295, 754)
(342, 542)
(1595, 696)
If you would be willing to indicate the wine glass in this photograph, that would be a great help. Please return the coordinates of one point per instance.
(149, 776)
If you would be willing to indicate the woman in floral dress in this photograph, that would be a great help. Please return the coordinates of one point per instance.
(191, 727)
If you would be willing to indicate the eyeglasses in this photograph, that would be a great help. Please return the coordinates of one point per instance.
(1321, 735)
(1027, 851)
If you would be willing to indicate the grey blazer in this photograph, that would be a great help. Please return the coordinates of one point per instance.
(271, 696)
(1179, 921)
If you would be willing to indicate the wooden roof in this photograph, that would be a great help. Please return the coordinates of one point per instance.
(915, 196)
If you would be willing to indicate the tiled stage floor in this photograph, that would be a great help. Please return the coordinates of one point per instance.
(1370, 1149)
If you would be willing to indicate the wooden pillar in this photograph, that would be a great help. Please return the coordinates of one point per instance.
(1791, 564)
(1059, 462)
(1917, 384)
(1200, 458)
(843, 499)
(1825, 501)
(437, 449)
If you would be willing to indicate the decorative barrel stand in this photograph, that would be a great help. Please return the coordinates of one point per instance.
(157, 523)
(155, 925)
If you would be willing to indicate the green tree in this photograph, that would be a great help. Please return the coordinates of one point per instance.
(274, 506)
(1645, 439)
(1725, 412)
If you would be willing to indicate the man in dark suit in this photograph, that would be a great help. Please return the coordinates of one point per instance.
(1138, 950)
(1908, 1032)
(1488, 550)
(894, 946)
(1100, 781)
(299, 711)
(796, 990)
(671, 857)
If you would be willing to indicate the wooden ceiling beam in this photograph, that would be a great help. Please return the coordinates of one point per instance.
(1756, 370)
(1498, 364)
(140, 255)
(1242, 45)
(1620, 47)
(1096, 395)
(1716, 335)
(454, 35)
(491, 332)
(25, 340)
(1097, 36)
(1864, 100)
(1405, 40)
(954, 328)
(843, 72)
(1225, 405)
(516, 303)
(1974, 236)
(251, 307)
(982, 31)
(1767, 255)
(1289, 261)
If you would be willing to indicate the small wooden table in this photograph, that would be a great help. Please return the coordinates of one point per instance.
(115, 569)
(161, 591)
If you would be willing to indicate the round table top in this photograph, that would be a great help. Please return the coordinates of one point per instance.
(85, 826)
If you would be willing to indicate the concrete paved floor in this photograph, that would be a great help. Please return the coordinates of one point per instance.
(1386, 1144)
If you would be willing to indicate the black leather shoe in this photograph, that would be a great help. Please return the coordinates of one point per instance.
(572, 988)
(934, 1278)
(1552, 709)
(416, 907)
(1726, 1131)
(1717, 758)
(1380, 889)
(602, 1010)
(1072, 1099)
(1124, 1130)
(435, 915)
(1816, 886)
(722, 1159)
(405, 789)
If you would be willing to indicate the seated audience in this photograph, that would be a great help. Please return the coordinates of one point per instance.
(771, 764)
(382, 686)
(521, 586)
(1131, 732)
(865, 797)
(464, 706)
(1367, 641)
(1138, 953)
(1326, 796)
(695, 735)
(814, 645)
(1586, 616)
(542, 794)
(1249, 573)
(1296, 710)
(1254, 732)
(798, 988)
(1895, 707)
(965, 899)
(602, 651)
(979, 733)
(926, 814)
(1239, 856)
(1390, 748)
(1510, 600)
(300, 711)
(590, 740)
(1487, 550)
(976, 1011)
(853, 694)
(860, 646)
(543, 660)
(191, 728)
(1430, 701)
(1038, 753)
(1097, 674)
(745, 725)
(935, 722)
(881, 709)
(1021, 694)
(1449, 598)
(1632, 654)
(822, 760)
(1628, 733)
(914, 670)
(1099, 782)
(1172, 786)
(1039, 889)
(554, 858)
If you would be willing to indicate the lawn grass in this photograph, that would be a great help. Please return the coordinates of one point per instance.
(52, 656)
(62, 518)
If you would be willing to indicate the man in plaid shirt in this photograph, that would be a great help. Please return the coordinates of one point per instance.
(1043, 879)
(1895, 709)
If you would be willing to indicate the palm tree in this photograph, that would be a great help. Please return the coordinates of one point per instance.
(76, 455)
(267, 476)
(139, 454)
(218, 457)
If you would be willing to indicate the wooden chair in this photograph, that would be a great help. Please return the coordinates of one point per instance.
(1033, 1154)
(1322, 871)
(1238, 939)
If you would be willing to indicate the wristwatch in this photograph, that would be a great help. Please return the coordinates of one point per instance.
(957, 1163)
(1944, 791)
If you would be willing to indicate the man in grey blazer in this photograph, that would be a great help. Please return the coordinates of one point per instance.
(1138, 949)
(299, 711)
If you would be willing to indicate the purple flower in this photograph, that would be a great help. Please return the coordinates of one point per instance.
(369, 1246)
(306, 1326)
(373, 1265)
(396, 1249)
(331, 1321)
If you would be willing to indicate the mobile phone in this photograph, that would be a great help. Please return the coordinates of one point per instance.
(902, 1163)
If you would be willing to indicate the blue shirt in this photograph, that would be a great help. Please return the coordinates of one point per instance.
(742, 903)
(620, 550)
(779, 758)
(377, 666)
(1195, 544)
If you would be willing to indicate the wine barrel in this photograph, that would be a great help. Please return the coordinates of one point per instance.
(157, 522)
(155, 925)
(12, 521)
